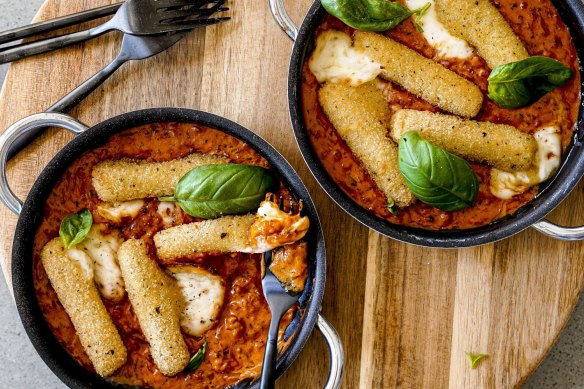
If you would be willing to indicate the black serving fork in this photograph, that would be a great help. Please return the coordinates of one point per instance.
(279, 300)
(136, 17)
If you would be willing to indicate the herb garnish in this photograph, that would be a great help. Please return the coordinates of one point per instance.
(435, 176)
(210, 191)
(473, 359)
(517, 84)
(391, 206)
(197, 359)
(372, 15)
(75, 227)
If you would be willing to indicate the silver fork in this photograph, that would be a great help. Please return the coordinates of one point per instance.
(279, 300)
(136, 17)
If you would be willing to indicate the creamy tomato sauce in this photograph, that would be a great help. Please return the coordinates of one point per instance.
(539, 26)
(236, 343)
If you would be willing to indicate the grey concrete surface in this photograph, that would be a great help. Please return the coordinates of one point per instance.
(22, 368)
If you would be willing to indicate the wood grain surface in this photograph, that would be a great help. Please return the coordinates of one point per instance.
(406, 315)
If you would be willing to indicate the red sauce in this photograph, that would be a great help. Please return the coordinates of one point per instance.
(236, 343)
(538, 25)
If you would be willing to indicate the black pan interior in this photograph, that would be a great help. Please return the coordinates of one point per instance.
(58, 360)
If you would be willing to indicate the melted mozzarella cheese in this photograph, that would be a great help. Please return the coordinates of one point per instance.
(102, 248)
(505, 185)
(437, 35)
(336, 60)
(116, 211)
(169, 213)
(274, 228)
(203, 293)
(83, 260)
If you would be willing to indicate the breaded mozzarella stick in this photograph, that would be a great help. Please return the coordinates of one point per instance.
(361, 116)
(423, 77)
(499, 145)
(79, 296)
(122, 180)
(157, 302)
(225, 234)
(480, 24)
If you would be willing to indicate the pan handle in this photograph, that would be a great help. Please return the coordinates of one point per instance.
(20, 129)
(559, 232)
(336, 353)
(283, 19)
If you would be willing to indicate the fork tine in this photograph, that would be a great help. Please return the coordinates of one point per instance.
(281, 203)
(300, 207)
(190, 24)
(268, 259)
(272, 197)
(291, 201)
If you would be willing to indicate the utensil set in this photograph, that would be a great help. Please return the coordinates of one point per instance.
(149, 26)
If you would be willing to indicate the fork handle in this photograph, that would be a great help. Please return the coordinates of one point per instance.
(57, 23)
(68, 102)
(16, 52)
(269, 365)
(71, 99)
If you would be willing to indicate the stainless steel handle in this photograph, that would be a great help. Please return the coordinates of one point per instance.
(559, 232)
(283, 19)
(20, 129)
(336, 353)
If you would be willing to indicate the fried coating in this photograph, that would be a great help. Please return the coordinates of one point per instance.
(225, 234)
(499, 145)
(79, 296)
(481, 25)
(157, 302)
(423, 77)
(361, 116)
(122, 180)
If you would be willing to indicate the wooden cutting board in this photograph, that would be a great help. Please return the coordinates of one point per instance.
(406, 314)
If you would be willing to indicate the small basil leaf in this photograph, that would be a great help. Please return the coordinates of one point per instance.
(435, 176)
(75, 227)
(370, 15)
(210, 191)
(473, 359)
(391, 206)
(517, 84)
(197, 359)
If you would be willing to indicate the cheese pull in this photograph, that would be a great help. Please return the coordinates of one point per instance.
(421, 76)
(121, 180)
(79, 296)
(499, 145)
(480, 24)
(361, 116)
(157, 303)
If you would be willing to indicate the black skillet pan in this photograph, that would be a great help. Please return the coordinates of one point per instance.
(551, 193)
(30, 214)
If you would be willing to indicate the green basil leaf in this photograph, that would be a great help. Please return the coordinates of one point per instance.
(75, 227)
(370, 15)
(435, 176)
(473, 359)
(210, 191)
(517, 84)
(391, 206)
(197, 359)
